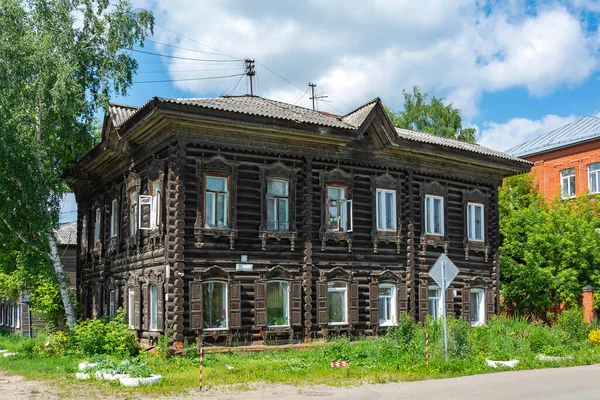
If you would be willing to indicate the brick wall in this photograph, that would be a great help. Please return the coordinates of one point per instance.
(547, 167)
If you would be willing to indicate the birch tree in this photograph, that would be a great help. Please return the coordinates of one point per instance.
(60, 62)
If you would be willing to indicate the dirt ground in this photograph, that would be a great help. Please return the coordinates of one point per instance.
(15, 387)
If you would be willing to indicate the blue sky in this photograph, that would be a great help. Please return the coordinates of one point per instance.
(516, 69)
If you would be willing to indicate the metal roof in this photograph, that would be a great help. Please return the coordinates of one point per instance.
(456, 144)
(582, 130)
(67, 235)
(119, 113)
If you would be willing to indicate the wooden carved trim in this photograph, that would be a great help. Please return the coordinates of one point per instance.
(476, 196)
(212, 273)
(277, 272)
(345, 179)
(386, 181)
(432, 241)
(284, 172)
(219, 166)
(437, 189)
(478, 282)
(336, 274)
(386, 276)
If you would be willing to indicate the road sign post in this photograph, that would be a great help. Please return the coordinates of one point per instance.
(443, 273)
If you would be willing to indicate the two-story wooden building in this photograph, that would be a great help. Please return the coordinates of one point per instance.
(243, 219)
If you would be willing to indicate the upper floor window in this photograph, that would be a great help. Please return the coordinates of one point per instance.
(567, 183)
(150, 206)
(278, 205)
(339, 209)
(97, 230)
(434, 215)
(214, 305)
(216, 201)
(84, 234)
(475, 224)
(594, 178)
(337, 302)
(434, 301)
(133, 213)
(387, 304)
(386, 210)
(278, 303)
(114, 218)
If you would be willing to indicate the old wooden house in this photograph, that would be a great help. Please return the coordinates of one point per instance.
(247, 219)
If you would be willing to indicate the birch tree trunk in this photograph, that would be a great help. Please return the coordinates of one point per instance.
(62, 282)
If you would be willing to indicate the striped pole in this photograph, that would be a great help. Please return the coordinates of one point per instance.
(201, 354)
(426, 346)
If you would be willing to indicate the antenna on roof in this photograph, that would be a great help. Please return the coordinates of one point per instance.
(315, 97)
(250, 72)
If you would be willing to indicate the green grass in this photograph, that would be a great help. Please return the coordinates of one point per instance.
(397, 356)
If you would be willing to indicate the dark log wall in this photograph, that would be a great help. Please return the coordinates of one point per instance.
(181, 253)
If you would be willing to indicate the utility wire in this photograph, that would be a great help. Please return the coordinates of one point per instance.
(285, 79)
(182, 58)
(193, 40)
(236, 85)
(301, 96)
(182, 48)
(187, 70)
(191, 79)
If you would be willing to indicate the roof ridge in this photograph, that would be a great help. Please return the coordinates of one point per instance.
(123, 105)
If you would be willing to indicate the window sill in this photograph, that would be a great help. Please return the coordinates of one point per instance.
(337, 324)
(215, 232)
(433, 241)
(337, 237)
(214, 329)
(265, 235)
(386, 324)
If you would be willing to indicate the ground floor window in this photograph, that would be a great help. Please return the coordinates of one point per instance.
(434, 301)
(112, 303)
(153, 293)
(477, 307)
(131, 306)
(387, 304)
(337, 302)
(214, 305)
(17, 317)
(278, 303)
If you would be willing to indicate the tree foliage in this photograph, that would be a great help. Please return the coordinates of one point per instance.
(60, 61)
(431, 116)
(549, 252)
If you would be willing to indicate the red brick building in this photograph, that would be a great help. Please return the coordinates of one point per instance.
(566, 160)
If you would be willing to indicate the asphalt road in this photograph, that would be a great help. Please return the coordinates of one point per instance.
(581, 383)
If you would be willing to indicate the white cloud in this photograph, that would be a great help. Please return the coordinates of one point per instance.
(504, 136)
(356, 50)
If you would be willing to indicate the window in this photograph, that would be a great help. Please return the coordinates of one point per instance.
(150, 207)
(567, 183)
(337, 301)
(475, 224)
(156, 202)
(277, 303)
(1, 315)
(12, 316)
(112, 303)
(133, 213)
(214, 305)
(97, 227)
(131, 306)
(339, 210)
(387, 304)
(216, 201)
(434, 301)
(114, 218)
(278, 205)
(153, 293)
(477, 307)
(434, 215)
(145, 212)
(594, 178)
(17, 317)
(386, 210)
(84, 234)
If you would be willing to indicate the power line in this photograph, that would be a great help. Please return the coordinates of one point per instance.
(193, 40)
(182, 58)
(182, 48)
(191, 79)
(236, 85)
(187, 70)
(285, 79)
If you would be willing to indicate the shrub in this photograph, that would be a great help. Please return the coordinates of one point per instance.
(571, 322)
(594, 337)
(90, 336)
(59, 343)
(119, 340)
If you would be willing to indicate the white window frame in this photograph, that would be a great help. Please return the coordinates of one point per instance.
(381, 210)
(131, 307)
(594, 176)
(277, 199)
(345, 218)
(1, 315)
(216, 203)
(12, 315)
(441, 297)
(287, 302)
(430, 215)
(480, 306)
(145, 202)
(153, 307)
(331, 289)
(84, 233)
(156, 203)
(17, 316)
(114, 215)
(112, 303)
(133, 213)
(471, 208)
(565, 181)
(392, 319)
(97, 227)
(226, 327)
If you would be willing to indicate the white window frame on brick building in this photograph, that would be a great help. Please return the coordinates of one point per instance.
(594, 178)
(567, 183)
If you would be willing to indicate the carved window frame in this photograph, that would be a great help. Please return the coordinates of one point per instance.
(278, 170)
(386, 182)
(486, 286)
(155, 171)
(335, 177)
(434, 188)
(388, 278)
(114, 192)
(476, 196)
(217, 166)
(133, 184)
(152, 278)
